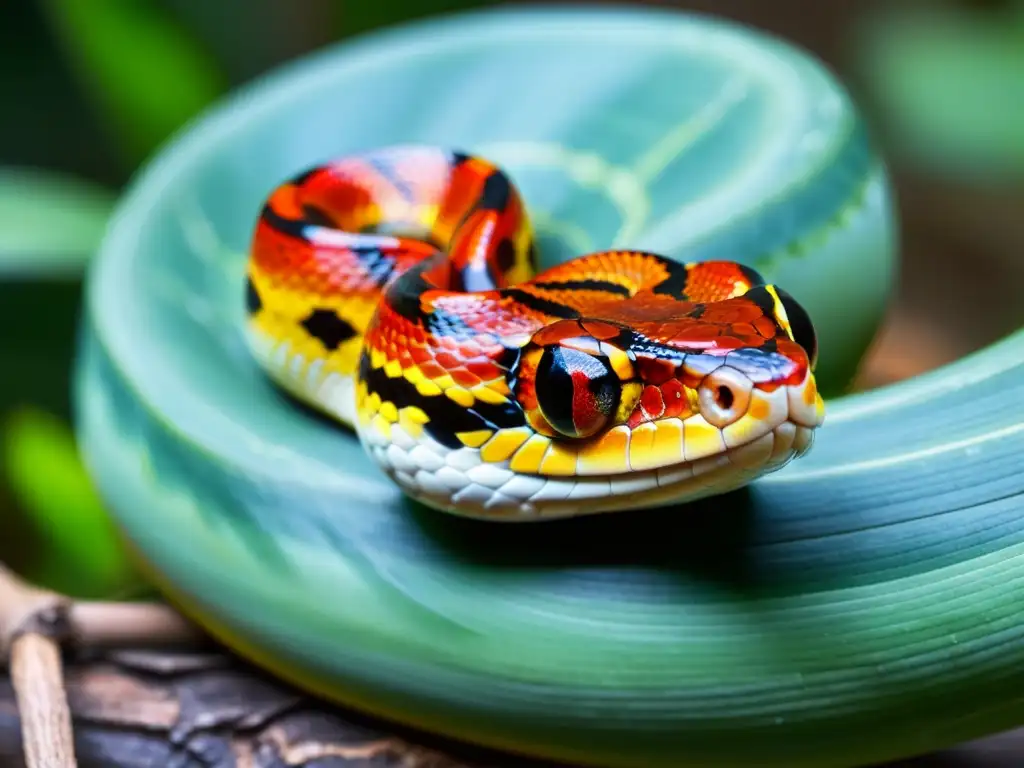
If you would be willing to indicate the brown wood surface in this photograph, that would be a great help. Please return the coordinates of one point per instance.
(206, 710)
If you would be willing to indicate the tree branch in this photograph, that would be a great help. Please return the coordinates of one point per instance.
(30, 632)
(24, 607)
(39, 688)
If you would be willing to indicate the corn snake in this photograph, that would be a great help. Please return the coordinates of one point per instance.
(396, 290)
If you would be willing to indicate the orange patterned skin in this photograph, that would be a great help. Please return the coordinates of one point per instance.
(396, 290)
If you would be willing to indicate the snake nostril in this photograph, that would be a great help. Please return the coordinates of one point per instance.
(724, 398)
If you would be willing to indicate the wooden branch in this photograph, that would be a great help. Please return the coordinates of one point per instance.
(30, 632)
(142, 707)
(39, 690)
(93, 624)
(118, 625)
(34, 623)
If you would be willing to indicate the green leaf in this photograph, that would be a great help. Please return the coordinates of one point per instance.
(146, 73)
(49, 222)
(79, 552)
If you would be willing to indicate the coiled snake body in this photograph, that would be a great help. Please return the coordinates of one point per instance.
(395, 291)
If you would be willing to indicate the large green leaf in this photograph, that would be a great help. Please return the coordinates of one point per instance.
(147, 74)
(859, 605)
(50, 223)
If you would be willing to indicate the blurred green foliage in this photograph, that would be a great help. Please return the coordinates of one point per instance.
(77, 551)
(51, 526)
(948, 82)
(146, 73)
(356, 17)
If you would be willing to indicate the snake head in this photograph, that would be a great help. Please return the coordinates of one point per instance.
(518, 405)
(673, 408)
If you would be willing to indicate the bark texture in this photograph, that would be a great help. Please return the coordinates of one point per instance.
(148, 709)
(205, 710)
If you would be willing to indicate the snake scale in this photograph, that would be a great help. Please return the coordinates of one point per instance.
(773, 618)
(617, 380)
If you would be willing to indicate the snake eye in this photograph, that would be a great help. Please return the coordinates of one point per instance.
(724, 396)
(800, 325)
(577, 392)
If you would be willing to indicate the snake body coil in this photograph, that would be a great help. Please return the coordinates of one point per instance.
(395, 291)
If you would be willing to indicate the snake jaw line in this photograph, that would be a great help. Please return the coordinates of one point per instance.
(528, 498)
(463, 483)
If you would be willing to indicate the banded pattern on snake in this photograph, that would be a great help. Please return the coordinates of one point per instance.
(396, 291)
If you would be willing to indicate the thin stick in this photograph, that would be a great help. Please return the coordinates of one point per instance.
(87, 624)
(39, 688)
(30, 631)
(97, 624)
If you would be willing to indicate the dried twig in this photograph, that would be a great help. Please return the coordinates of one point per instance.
(39, 688)
(30, 631)
(34, 623)
(118, 625)
(86, 623)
